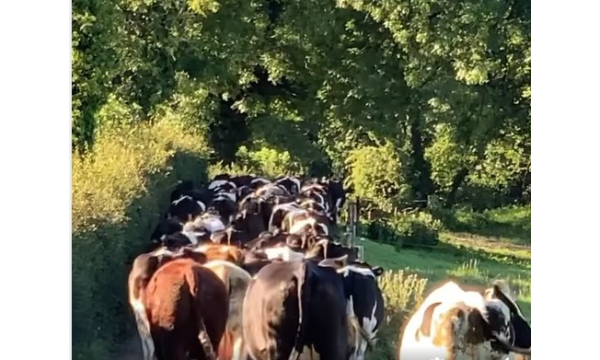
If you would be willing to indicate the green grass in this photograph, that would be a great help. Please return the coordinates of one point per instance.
(473, 255)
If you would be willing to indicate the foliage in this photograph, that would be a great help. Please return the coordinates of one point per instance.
(442, 88)
(119, 192)
(418, 229)
(375, 173)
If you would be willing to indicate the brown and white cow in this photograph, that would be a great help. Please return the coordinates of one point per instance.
(236, 282)
(187, 308)
(143, 268)
(306, 221)
(457, 323)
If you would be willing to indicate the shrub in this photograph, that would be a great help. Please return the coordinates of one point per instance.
(401, 293)
(266, 161)
(405, 230)
(376, 173)
(119, 190)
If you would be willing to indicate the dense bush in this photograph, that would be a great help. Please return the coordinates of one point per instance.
(404, 230)
(119, 191)
(376, 173)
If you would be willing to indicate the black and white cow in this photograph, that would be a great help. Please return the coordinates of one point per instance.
(295, 307)
(185, 208)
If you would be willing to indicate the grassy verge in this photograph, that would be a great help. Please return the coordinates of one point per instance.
(469, 253)
(119, 191)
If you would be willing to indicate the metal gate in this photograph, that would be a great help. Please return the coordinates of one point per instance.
(351, 233)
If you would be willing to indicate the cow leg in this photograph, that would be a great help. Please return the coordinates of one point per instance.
(205, 341)
(239, 352)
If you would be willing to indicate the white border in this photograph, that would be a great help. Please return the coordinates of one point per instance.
(565, 126)
(35, 179)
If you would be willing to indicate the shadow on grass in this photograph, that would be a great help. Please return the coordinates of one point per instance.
(512, 224)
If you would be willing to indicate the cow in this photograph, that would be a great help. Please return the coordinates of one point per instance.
(185, 208)
(280, 212)
(223, 205)
(455, 322)
(364, 305)
(326, 248)
(187, 307)
(223, 252)
(182, 188)
(165, 227)
(185, 238)
(142, 269)
(295, 307)
(290, 183)
(236, 282)
(337, 195)
(208, 222)
(305, 221)
(242, 180)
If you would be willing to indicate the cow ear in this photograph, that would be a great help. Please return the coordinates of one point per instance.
(520, 325)
(426, 322)
(377, 270)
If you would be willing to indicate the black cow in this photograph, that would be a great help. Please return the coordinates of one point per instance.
(290, 183)
(338, 196)
(242, 180)
(185, 208)
(296, 306)
(183, 188)
(365, 303)
(165, 227)
(224, 206)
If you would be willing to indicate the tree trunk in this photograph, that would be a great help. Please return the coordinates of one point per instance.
(422, 184)
(457, 182)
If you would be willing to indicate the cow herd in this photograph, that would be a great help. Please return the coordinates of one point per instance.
(248, 268)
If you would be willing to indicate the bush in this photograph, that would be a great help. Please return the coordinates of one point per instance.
(405, 230)
(401, 293)
(119, 190)
(376, 173)
(266, 161)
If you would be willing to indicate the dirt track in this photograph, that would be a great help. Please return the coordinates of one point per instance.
(130, 350)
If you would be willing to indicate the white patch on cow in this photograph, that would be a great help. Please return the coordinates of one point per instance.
(217, 183)
(225, 196)
(312, 186)
(324, 228)
(212, 224)
(180, 199)
(191, 236)
(262, 180)
(338, 204)
(239, 350)
(369, 323)
(414, 345)
(360, 270)
(298, 226)
(161, 250)
(283, 252)
(288, 207)
(202, 206)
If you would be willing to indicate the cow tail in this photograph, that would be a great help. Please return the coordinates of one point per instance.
(304, 294)
(203, 336)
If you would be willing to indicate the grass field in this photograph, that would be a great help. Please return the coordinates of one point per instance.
(479, 249)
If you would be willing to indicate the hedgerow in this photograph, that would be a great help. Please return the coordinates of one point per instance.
(119, 191)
